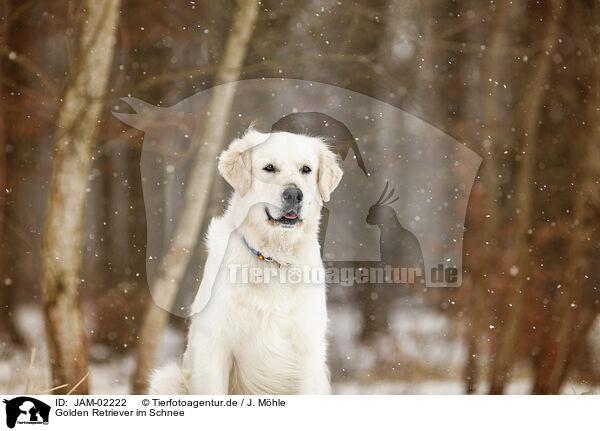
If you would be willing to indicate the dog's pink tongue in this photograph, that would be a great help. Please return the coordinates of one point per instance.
(291, 215)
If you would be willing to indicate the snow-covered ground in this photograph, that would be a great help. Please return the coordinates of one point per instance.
(421, 341)
(422, 356)
(111, 376)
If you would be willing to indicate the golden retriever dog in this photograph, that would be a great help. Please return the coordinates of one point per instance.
(258, 323)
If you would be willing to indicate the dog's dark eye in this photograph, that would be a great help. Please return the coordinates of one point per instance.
(306, 169)
(269, 168)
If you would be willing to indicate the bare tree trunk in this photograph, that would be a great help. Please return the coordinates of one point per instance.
(580, 335)
(375, 301)
(567, 323)
(187, 233)
(568, 302)
(78, 116)
(491, 75)
(503, 359)
(7, 323)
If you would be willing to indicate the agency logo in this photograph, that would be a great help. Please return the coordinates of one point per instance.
(401, 202)
(26, 410)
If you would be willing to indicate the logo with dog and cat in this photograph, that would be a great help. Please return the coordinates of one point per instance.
(26, 411)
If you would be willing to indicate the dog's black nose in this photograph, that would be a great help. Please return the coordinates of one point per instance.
(292, 195)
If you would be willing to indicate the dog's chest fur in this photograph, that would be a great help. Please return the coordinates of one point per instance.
(270, 329)
(269, 339)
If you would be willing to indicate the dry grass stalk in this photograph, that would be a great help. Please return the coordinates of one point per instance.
(51, 389)
(31, 362)
(78, 383)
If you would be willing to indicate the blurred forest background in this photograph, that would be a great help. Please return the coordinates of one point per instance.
(517, 81)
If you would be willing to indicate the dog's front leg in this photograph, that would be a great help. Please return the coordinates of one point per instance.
(316, 374)
(208, 363)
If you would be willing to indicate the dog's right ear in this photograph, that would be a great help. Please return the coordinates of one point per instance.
(330, 174)
(235, 163)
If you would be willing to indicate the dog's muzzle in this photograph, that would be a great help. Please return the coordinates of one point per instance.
(291, 203)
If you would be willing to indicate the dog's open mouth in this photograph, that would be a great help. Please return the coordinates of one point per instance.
(290, 218)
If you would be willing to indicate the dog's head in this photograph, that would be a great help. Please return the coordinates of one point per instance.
(280, 179)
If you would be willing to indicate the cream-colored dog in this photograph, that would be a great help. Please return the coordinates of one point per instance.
(252, 330)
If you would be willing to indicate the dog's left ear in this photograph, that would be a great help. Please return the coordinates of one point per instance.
(330, 174)
(235, 163)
